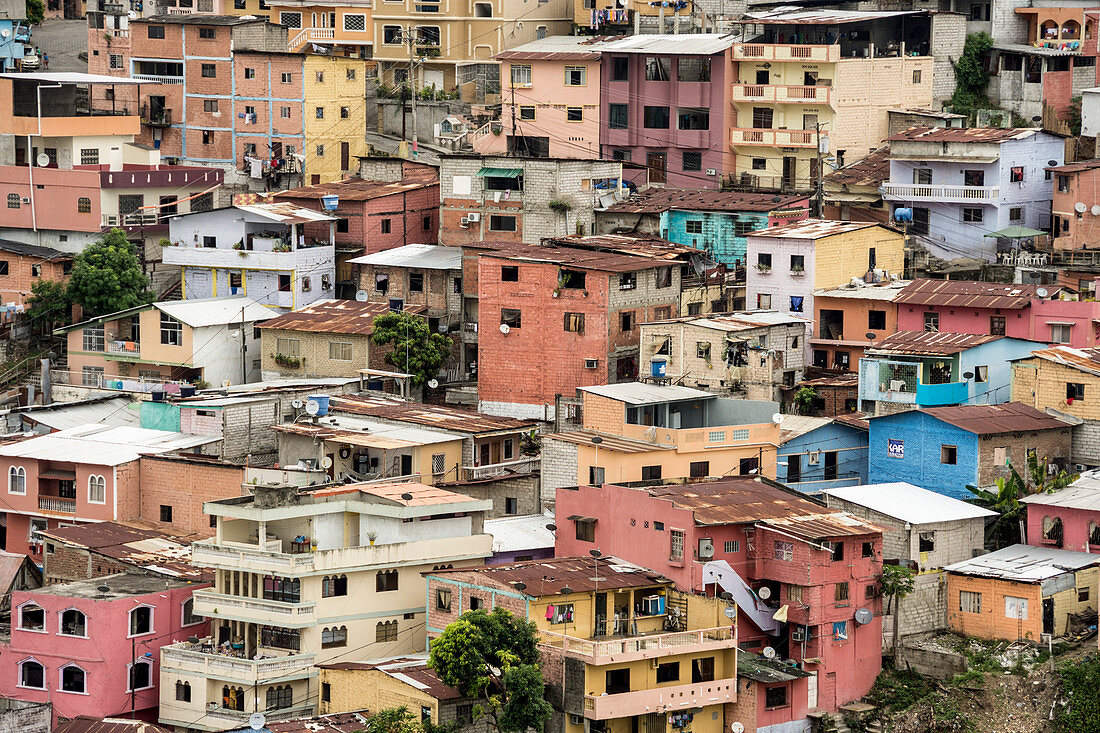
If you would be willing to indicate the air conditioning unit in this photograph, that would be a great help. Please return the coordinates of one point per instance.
(798, 634)
(815, 457)
(712, 171)
(591, 363)
(26, 199)
(473, 216)
(706, 548)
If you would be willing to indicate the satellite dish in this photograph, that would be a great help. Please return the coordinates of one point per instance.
(777, 418)
(361, 296)
(864, 616)
(869, 336)
(104, 589)
(552, 527)
(968, 375)
(730, 612)
(1042, 292)
(1037, 118)
(297, 404)
(504, 328)
(313, 407)
(764, 592)
(768, 652)
(407, 496)
(326, 462)
(1080, 207)
(5, 32)
(520, 586)
(433, 383)
(43, 160)
(737, 727)
(256, 721)
(1052, 163)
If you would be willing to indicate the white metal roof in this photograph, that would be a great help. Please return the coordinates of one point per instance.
(796, 425)
(102, 445)
(284, 212)
(73, 77)
(104, 412)
(812, 229)
(420, 256)
(1084, 493)
(525, 532)
(886, 291)
(908, 503)
(1025, 564)
(689, 43)
(214, 311)
(641, 393)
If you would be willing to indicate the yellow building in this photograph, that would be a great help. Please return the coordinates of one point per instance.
(335, 116)
(344, 26)
(634, 431)
(456, 40)
(621, 650)
(799, 85)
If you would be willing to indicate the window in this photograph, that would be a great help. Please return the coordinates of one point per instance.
(916, 76)
(1082, 595)
(183, 691)
(693, 118)
(620, 68)
(232, 698)
(521, 75)
(655, 118)
(498, 223)
(286, 77)
(339, 350)
(115, 60)
(439, 464)
(334, 637)
(776, 697)
(89, 156)
(141, 676)
(511, 317)
(972, 215)
(702, 350)
(663, 277)
(702, 670)
(926, 542)
(509, 273)
(699, 469)
(626, 321)
(796, 303)
(922, 176)
(731, 546)
(1075, 391)
(280, 638)
(693, 226)
(784, 551)
(385, 631)
(840, 631)
(290, 20)
(72, 679)
(932, 322)
(528, 112)
(511, 505)
(1016, 174)
(574, 322)
(32, 618)
(585, 527)
(676, 545)
(1016, 213)
(286, 590)
(1060, 333)
(350, 72)
(326, 692)
(334, 585)
(948, 454)
(32, 674)
(385, 580)
(416, 282)
(13, 201)
(618, 116)
(840, 593)
(73, 623)
(282, 696)
(576, 76)
(651, 473)
(836, 550)
(141, 620)
(617, 681)
(209, 71)
(693, 69)
(188, 615)
(165, 513)
(354, 22)
(284, 283)
(156, 31)
(319, 112)
(171, 330)
(207, 137)
(658, 68)
(970, 602)
(443, 600)
(692, 161)
(762, 117)
(574, 114)
(668, 672)
(623, 156)
(284, 113)
(288, 347)
(17, 480)
(92, 376)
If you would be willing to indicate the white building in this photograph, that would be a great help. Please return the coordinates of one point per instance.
(280, 255)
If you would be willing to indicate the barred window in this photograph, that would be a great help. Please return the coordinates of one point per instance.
(83, 205)
(385, 631)
(355, 23)
(89, 156)
(93, 338)
(290, 20)
(970, 602)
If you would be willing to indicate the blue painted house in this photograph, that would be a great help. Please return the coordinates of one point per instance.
(714, 221)
(15, 34)
(817, 453)
(943, 449)
(932, 368)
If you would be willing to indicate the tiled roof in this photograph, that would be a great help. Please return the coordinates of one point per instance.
(964, 134)
(968, 294)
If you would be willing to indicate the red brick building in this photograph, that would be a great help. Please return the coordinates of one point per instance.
(22, 265)
(565, 314)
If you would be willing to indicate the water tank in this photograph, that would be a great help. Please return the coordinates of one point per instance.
(657, 365)
(322, 404)
(903, 214)
(330, 202)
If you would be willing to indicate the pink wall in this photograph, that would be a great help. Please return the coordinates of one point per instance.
(1075, 526)
(56, 205)
(104, 654)
(1083, 314)
(796, 709)
(965, 320)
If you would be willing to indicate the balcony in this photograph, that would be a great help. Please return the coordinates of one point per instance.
(785, 52)
(888, 381)
(126, 349)
(312, 35)
(256, 610)
(176, 81)
(236, 719)
(254, 259)
(950, 393)
(187, 657)
(134, 219)
(773, 138)
(677, 698)
(947, 194)
(250, 558)
(523, 465)
(156, 116)
(55, 504)
(630, 648)
(781, 94)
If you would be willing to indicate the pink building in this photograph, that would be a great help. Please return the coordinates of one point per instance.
(774, 550)
(91, 651)
(1074, 323)
(89, 473)
(1067, 519)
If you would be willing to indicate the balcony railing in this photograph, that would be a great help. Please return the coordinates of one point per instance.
(523, 465)
(773, 138)
(239, 719)
(922, 192)
(187, 657)
(130, 220)
(257, 610)
(153, 78)
(780, 93)
(54, 504)
(641, 647)
(308, 35)
(124, 348)
(660, 699)
(156, 117)
(785, 52)
(950, 393)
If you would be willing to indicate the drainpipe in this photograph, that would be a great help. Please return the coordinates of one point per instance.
(30, 157)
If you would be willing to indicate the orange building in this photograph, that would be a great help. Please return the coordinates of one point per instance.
(845, 317)
(1020, 592)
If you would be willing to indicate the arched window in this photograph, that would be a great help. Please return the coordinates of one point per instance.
(141, 676)
(1052, 530)
(32, 617)
(73, 679)
(1071, 30)
(280, 697)
(141, 620)
(183, 691)
(1048, 30)
(73, 623)
(385, 631)
(335, 585)
(17, 480)
(32, 674)
(83, 205)
(385, 580)
(334, 637)
(97, 489)
(233, 698)
(189, 616)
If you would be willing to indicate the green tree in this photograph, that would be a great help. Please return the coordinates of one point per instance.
(971, 77)
(400, 720)
(36, 12)
(417, 350)
(1008, 528)
(804, 400)
(494, 657)
(896, 583)
(48, 306)
(107, 276)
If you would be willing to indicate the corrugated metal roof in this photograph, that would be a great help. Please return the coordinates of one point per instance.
(616, 443)
(767, 671)
(10, 565)
(418, 256)
(1025, 563)
(369, 433)
(581, 574)
(738, 500)
(1085, 360)
(102, 445)
(600, 253)
(870, 170)
(526, 532)
(1081, 165)
(1008, 417)
(62, 415)
(908, 503)
(656, 200)
(72, 77)
(996, 135)
(33, 250)
(284, 213)
(1084, 493)
(1034, 50)
(442, 417)
(411, 669)
(836, 380)
(335, 316)
(741, 321)
(825, 526)
(555, 48)
(214, 311)
(88, 724)
(814, 229)
(357, 189)
(643, 393)
(795, 425)
(142, 547)
(701, 44)
(970, 294)
(928, 343)
(786, 16)
(885, 291)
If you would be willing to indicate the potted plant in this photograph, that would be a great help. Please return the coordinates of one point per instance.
(764, 269)
(372, 537)
(798, 270)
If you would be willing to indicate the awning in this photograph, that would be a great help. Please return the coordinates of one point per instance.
(59, 474)
(500, 173)
(579, 518)
(1015, 232)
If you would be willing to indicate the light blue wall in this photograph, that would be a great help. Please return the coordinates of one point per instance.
(995, 355)
(718, 235)
(922, 436)
(851, 447)
(12, 46)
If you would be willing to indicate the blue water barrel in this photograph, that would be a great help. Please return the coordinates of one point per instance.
(330, 202)
(903, 214)
(322, 403)
(657, 366)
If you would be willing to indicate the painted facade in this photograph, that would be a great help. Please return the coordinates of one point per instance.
(1074, 184)
(819, 453)
(845, 316)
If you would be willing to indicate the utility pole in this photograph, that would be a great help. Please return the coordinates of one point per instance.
(513, 150)
(244, 357)
(819, 186)
(411, 40)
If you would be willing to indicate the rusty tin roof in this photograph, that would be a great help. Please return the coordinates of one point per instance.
(442, 417)
(1009, 417)
(928, 343)
(656, 200)
(870, 170)
(996, 135)
(1085, 360)
(580, 574)
(335, 316)
(968, 294)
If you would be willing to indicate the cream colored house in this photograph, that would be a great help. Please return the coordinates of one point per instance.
(305, 577)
